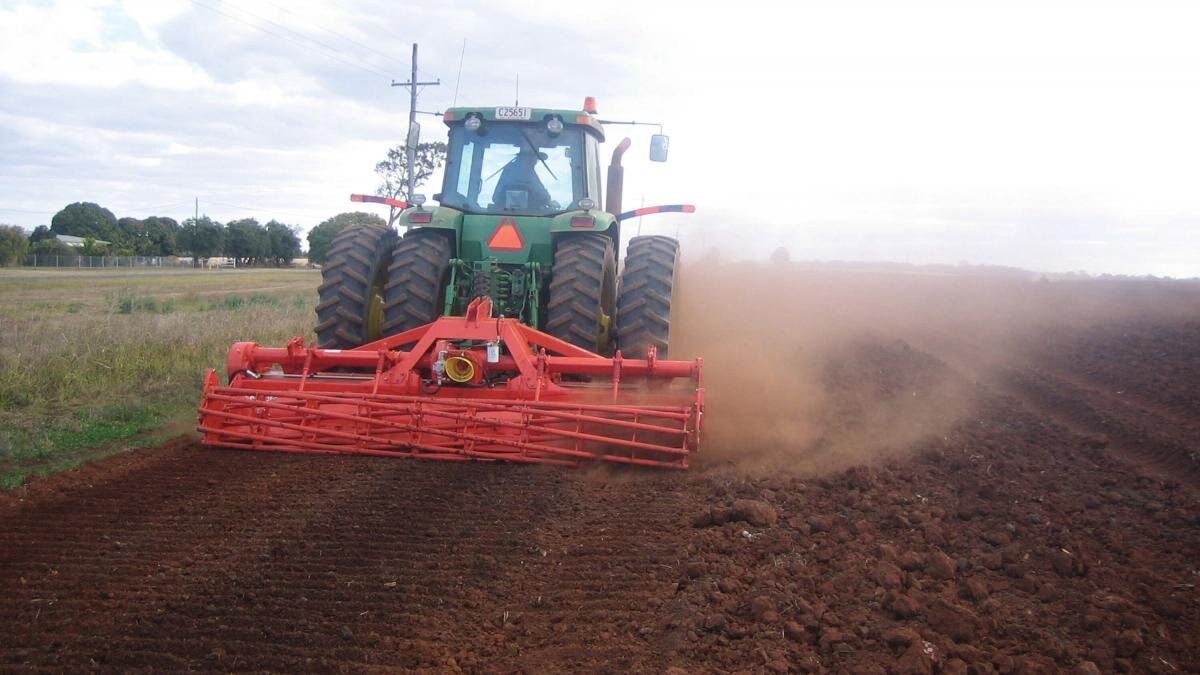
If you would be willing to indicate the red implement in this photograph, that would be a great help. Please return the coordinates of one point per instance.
(466, 388)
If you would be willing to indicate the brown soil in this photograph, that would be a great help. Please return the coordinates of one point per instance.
(1053, 522)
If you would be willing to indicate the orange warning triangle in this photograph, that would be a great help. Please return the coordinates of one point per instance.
(506, 237)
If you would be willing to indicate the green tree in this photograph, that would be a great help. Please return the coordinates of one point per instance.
(85, 219)
(159, 235)
(201, 239)
(51, 247)
(13, 245)
(320, 238)
(153, 236)
(90, 247)
(284, 243)
(393, 171)
(39, 233)
(246, 241)
(125, 237)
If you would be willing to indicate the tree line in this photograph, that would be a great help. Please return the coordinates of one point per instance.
(246, 240)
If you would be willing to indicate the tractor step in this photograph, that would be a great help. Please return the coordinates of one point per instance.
(468, 388)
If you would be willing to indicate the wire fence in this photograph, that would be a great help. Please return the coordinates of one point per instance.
(90, 261)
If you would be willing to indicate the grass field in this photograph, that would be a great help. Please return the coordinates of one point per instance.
(96, 361)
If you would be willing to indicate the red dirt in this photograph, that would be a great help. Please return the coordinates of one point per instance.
(1054, 526)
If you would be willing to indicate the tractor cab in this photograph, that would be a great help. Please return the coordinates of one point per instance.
(512, 161)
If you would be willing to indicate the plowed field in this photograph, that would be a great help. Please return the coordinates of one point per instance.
(1053, 526)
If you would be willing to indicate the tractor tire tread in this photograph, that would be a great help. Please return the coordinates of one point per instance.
(354, 261)
(644, 297)
(577, 288)
(419, 264)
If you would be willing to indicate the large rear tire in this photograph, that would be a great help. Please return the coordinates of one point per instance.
(350, 308)
(416, 285)
(648, 284)
(583, 282)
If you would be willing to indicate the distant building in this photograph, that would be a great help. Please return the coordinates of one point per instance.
(77, 242)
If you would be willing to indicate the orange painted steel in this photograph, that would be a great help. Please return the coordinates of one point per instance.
(525, 396)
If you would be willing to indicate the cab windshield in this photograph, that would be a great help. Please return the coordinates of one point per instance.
(514, 169)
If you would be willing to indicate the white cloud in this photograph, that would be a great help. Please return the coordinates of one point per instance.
(68, 44)
(151, 15)
(1053, 135)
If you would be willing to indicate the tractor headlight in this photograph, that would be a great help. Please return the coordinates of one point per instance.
(554, 125)
(419, 200)
(473, 123)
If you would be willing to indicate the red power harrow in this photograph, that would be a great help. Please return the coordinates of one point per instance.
(469, 388)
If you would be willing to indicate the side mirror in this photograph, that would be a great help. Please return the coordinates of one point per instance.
(658, 147)
(414, 135)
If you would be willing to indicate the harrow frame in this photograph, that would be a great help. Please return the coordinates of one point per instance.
(521, 406)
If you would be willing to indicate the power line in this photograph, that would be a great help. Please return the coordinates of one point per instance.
(292, 40)
(155, 208)
(458, 80)
(298, 34)
(123, 210)
(252, 208)
(170, 206)
(292, 12)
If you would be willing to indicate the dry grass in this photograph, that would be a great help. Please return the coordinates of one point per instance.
(89, 358)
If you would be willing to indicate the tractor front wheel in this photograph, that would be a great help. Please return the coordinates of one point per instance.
(583, 284)
(350, 308)
(417, 279)
(648, 284)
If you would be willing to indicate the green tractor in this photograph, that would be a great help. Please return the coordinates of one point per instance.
(518, 221)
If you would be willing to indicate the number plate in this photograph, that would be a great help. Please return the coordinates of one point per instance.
(513, 113)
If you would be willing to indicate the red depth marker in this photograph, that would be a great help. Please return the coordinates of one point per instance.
(670, 208)
(379, 200)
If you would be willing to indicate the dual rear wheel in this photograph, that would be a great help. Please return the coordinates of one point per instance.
(646, 306)
(584, 309)
(376, 284)
(350, 308)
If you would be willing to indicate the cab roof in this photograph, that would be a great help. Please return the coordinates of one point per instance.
(506, 114)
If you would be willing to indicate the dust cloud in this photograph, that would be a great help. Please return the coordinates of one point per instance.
(811, 368)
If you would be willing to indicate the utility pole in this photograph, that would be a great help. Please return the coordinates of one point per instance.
(410, 143)
(197, 219)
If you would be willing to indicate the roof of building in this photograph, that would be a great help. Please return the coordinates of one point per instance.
(72, 240)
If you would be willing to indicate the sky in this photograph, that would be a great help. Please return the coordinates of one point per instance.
(1052, 136)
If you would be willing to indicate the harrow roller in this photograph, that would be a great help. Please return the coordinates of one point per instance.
(466, 388)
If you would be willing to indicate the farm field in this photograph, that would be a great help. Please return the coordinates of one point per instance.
(91, 358)
(903, 472)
